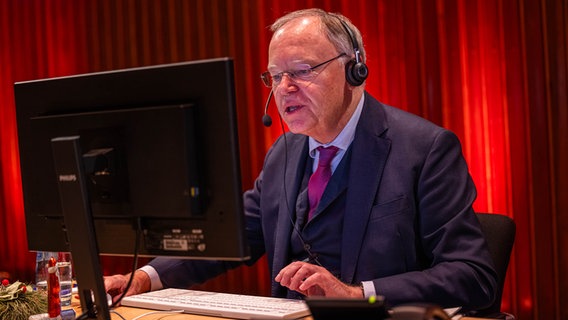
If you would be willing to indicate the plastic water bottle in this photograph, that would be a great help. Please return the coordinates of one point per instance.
(65, 274)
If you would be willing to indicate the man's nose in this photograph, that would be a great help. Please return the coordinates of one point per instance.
(287, 83)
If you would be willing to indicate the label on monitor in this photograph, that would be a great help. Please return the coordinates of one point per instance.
(178, 240)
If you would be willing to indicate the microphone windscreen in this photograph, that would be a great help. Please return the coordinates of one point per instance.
(266, 120)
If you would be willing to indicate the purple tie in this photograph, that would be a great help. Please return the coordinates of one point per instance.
(320, 178)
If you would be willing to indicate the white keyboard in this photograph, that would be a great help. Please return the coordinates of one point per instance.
(219, 304)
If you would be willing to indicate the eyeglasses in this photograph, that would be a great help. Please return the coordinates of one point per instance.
(303, 72)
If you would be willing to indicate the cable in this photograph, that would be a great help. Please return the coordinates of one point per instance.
(118, 314)
(85, 314)
(156, 312)
(312, 257)
(134, 263)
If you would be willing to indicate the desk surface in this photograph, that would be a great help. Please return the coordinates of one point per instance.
(130, 313)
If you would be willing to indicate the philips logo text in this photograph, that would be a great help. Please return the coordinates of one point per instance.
(67, 177)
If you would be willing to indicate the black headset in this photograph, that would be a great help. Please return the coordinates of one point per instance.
(356, 70)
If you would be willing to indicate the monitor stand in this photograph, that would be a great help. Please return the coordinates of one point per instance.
(78, 219)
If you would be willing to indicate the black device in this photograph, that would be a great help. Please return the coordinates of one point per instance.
(153, 150)
(372, 308)
(356, 71)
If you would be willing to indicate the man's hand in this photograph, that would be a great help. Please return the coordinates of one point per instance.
(115, 285)
(313, 280)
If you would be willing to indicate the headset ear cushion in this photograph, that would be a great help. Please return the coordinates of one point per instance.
(361, 71)
(356, 72)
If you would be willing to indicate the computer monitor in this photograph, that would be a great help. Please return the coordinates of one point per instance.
(152, 150)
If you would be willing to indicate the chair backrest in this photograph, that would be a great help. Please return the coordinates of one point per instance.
(499, 231)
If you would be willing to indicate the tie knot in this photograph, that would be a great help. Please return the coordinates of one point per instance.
(325, 155)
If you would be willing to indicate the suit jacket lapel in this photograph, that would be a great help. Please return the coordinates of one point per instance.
(368, 158)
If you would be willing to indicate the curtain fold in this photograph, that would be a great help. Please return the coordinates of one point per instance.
(494, 72)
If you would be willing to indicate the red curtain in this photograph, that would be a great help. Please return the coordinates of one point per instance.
(493, 71)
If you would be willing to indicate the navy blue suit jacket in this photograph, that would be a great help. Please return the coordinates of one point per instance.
(408, 223)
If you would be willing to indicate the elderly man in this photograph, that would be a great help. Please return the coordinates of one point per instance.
(359, 198)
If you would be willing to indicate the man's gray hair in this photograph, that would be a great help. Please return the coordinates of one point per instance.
(331, 26)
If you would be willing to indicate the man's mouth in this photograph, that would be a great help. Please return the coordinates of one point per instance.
(291, 109)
